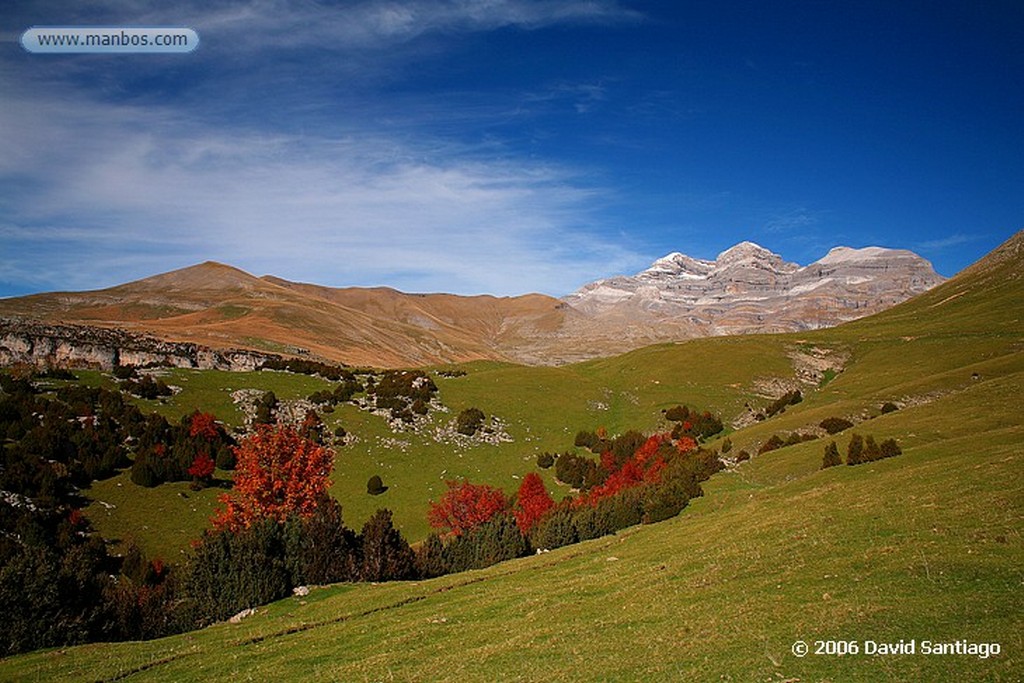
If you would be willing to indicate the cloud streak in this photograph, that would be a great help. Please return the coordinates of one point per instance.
(267, 24)
(356, 209)
(103, 180)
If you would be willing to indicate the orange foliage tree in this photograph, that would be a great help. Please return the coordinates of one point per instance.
(685, 444)
(279, 473)
(532, 502)
(202, 468)
(645, 466)
(203, 425)
(465, 506)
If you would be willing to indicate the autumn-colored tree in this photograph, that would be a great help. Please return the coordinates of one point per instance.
(279, 473)
(685, 444)
(645, 466)
(608, 461)
(648, 449)
(629, 475)
(532, 502)
(203, 425)
(465, 506)
(202, 468)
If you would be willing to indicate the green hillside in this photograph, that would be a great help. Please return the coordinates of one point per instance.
(926, 546)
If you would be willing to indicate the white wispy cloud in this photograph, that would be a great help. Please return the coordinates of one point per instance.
(947, 242)
(352, 25)
(792, 220)
(104, 185)
(277, 169)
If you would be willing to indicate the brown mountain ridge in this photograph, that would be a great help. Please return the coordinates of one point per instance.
(221, 306)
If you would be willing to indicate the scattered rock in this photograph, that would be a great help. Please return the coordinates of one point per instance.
(237, 619)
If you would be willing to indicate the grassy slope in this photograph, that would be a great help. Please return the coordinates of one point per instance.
(542, 409)
(924, 546)
(163, 520)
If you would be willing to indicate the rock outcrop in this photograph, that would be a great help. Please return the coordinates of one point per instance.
(47, 345)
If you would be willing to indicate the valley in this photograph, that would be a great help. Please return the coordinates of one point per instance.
(925, 545)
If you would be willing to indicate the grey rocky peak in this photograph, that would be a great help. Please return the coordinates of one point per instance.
(749, 253)
(749, 289)
(678, 265)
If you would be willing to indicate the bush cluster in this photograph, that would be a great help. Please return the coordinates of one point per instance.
(864, 449)
(775, 441)
(494, 541)
(649, 502)
(232, 570)
(695, 424)
(146, 387)
(166, 452)
(469, 421)
(790, 398)
(342, 393)
(546, 460)
(577, 519)
(404, 393)
(266, 408)
(124, 372)
(58, 444)
(860, 450)
(54, 574)
(834, 425)
(305, 366)
(579, 472)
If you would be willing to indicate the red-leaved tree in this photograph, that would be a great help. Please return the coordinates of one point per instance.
(202, 468)
(203, 425)
(278, 474)
(645, 466)
(685, 444)
(649, 448)
(465, 506)
(532, 502)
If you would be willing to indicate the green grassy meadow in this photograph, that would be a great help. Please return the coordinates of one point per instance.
(925, 546)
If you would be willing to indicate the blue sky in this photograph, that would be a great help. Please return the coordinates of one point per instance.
(506, 146)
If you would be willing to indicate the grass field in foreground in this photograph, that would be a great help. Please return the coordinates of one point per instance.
(924, 546)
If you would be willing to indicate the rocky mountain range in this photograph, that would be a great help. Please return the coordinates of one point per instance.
(749, 289)
(746, 289)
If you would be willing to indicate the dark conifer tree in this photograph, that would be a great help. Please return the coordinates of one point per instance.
(871, 449)
(855, 451)
(831, 458)
(430, 558)
(386, 556)
(889, 448)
